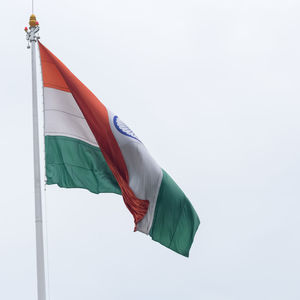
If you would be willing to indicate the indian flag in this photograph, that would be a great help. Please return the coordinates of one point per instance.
(88, 146)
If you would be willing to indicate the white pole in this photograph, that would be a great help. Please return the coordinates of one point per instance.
(41, 276)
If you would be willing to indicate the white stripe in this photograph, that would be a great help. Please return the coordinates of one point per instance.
(145, 175)
(64, 118)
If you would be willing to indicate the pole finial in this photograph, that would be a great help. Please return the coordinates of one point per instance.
(32, 21)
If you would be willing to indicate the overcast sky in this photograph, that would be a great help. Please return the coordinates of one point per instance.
(212, 89)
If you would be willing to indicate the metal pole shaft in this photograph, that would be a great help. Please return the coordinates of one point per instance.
(41, 277)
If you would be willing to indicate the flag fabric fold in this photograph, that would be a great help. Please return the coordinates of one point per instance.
(87, 146)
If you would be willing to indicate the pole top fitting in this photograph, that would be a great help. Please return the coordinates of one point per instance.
(32, 21)
(32, 34)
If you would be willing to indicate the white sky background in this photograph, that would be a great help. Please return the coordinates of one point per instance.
(212, 89)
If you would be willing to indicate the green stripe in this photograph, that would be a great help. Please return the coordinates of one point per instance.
(72, 163)
(175, 221)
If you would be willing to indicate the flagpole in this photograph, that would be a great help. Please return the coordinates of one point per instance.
(32, 37)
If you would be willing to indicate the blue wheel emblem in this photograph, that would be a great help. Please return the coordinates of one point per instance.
(124, 129)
